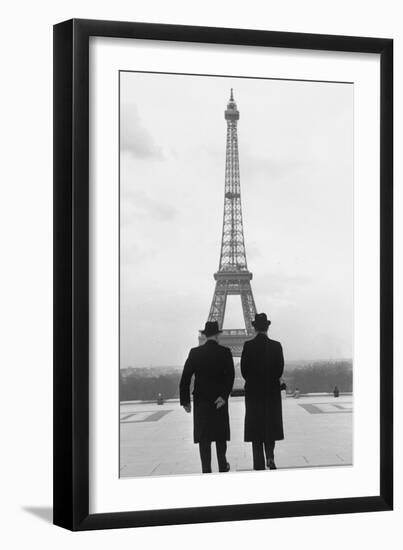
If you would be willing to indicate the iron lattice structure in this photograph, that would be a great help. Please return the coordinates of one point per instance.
(232, 276)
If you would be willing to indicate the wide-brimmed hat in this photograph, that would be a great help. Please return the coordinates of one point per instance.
(211, 328)
(261, 321)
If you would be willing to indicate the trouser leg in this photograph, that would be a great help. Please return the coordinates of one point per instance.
(221, 448)
(205, 456)
(269, 449)
(258, 455)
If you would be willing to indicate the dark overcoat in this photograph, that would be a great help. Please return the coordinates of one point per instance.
(262, 365)
(213, 369)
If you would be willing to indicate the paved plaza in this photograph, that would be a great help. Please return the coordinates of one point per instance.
(158, 439)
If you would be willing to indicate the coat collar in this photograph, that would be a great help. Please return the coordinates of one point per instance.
(261, 336)
(209, 342)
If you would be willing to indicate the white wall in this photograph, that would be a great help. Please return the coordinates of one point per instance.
(25, 290)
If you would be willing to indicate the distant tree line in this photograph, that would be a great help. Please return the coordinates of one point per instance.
(136, 386)
(319, 376)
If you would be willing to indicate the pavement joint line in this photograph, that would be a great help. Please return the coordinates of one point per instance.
(145, 412)
(127, 416)
(153, 470)
(314, 408)
(330, 403)
(154, 416)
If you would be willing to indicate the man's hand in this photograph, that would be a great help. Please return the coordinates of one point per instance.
(219, 402)
(187, 408)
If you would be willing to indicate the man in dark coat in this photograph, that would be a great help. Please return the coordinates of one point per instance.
(262, 365)
(213, 369)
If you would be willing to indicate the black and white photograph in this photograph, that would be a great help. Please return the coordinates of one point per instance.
(236, 274)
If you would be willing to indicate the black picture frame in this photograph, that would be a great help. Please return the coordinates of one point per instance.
(71, 273)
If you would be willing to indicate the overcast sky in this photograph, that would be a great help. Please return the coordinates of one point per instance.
(296, 166)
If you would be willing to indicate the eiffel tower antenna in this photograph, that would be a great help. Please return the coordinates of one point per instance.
(232, 277)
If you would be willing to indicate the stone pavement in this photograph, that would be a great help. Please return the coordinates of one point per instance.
(158, 439)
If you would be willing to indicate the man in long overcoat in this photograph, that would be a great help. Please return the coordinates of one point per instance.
(262, 365)
(213, 369)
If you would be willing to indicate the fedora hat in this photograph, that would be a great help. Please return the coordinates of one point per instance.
(211, 328)
(261, 321)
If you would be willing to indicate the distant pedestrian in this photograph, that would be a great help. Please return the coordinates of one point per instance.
(336, 391)
(160, 399)
(262, 365)
(297, 393)
(213, 369)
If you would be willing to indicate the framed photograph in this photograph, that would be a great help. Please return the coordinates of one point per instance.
(223, 259)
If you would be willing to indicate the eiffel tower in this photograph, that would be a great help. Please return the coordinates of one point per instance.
(232, 276)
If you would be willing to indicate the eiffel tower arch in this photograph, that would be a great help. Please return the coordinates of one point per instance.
(233, 276)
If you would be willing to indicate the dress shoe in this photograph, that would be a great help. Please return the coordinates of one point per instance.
(271, 465)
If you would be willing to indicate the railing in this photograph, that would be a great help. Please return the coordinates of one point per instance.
(234, 332)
